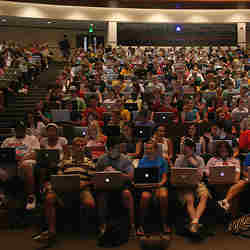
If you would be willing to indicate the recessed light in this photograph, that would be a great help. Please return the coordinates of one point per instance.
(49, 22)
(4, 20)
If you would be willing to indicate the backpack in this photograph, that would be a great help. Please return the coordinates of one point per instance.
(240, 226)
(117, 233)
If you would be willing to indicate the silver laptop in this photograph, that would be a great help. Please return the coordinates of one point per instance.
(60, 115)
(222, 175)
(108, 181)
(182, 177)
(65, 183)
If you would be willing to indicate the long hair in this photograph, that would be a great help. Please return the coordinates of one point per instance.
(219, 145)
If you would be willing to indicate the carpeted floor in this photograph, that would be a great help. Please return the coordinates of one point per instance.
(14, 240)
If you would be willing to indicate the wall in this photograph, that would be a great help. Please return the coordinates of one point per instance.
(41, 35)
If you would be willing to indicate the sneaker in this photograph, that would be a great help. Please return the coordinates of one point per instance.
(31, 202)
(140, 231)
(46, 237)
(224, 204)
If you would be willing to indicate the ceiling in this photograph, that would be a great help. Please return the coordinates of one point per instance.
(49, 23)
(149, 4)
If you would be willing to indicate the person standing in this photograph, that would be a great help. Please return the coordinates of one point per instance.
(65, 47)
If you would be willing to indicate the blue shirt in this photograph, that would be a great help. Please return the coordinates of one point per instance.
(145, 162)
(246, 162)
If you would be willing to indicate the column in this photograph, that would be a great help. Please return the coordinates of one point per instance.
(241, 29)
(112, 34)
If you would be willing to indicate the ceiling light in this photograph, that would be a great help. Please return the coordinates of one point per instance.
(49, 22)
(4, 20)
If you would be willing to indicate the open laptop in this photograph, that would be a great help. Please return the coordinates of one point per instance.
(185, 177)
(222, 175)
(112, 130)
(131, 106)
(65, 183)
(8, 160)
(146, 176)
(60, 115)
(163, 117)
(142, 132)
(44, 157)
(70, 132)
(108, 181)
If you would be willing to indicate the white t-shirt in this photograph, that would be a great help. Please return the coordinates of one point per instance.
(23, 146)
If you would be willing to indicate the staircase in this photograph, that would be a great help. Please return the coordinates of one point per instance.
(22, 104)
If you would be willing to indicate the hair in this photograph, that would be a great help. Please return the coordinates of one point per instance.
(98, 128)
(219, 145)
(34, 117)
(78, 139)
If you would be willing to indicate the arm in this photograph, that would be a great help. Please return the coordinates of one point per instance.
(137, 151)
(170, 150)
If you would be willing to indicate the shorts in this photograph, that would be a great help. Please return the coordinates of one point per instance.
(198, 191)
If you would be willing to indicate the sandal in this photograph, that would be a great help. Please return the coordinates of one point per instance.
(140, 231)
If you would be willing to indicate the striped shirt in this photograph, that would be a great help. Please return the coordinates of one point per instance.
(85, 169)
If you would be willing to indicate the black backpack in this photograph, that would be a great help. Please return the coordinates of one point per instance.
(117, 233)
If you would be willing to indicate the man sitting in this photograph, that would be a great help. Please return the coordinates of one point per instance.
(187, 196)
(152, 159)
(113, 160)
(77, 163)
(25, 146)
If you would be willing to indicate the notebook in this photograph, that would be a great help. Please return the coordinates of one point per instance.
(108, 181)
(146, 176)
(222, 175)
(60, 115)
(185, 177)
(65, 183)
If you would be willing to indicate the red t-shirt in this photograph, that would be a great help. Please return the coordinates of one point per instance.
(244, 141)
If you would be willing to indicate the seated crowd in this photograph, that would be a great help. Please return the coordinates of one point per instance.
(138, 108)
(20, 65)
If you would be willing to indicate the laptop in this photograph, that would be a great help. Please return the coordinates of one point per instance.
(8, 160)
(70, 132)
(112, 130)
(65, 183)
(239, 116)
(108, 181)
(131, 106)
(146, 176)
(44, 157)
(60, 115)
(185, 177)
(110, 106)
(142, 132)
(222, 175)
(163, 117)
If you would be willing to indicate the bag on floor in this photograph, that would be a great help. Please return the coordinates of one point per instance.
(152, 242)
(240, 226)
(117, 233)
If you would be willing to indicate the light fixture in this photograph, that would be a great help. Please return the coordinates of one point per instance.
(49, 22)
(4, 20)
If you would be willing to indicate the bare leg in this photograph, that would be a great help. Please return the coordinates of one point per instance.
(50, 211)
(128, 202)
(162, 195)
(144, 204)
(235, 189)
(189, 198)
(201, 206)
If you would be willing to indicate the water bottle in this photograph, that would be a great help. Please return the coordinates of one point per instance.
(198, 148)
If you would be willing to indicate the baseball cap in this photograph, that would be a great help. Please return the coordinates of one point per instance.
(51, 125)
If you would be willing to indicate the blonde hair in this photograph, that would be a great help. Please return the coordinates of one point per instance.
(98, 128)
(78, 139)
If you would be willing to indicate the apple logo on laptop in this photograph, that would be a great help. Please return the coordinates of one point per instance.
(141, 131)
(107, 180)
(146, 175)
(47, 155)
(222, 174)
